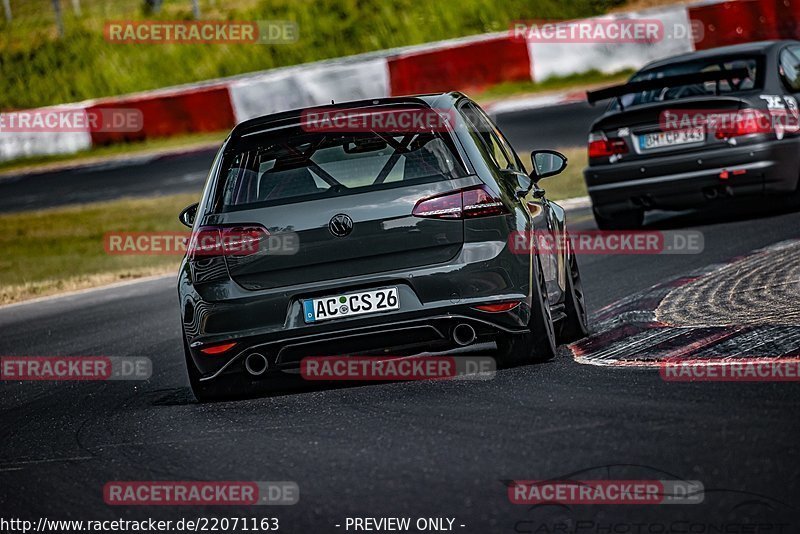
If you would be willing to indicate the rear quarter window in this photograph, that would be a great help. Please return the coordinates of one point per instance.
(789, 65)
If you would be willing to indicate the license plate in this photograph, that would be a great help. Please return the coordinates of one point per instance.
(335, 307)
(671, 138)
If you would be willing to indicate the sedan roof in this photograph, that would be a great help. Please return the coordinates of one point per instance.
(759, 47)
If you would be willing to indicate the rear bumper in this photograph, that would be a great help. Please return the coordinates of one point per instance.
(693, 179)
(433, 300)
(391, 338)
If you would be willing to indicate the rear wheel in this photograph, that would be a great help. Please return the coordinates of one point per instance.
(538, 345)
(575, 325)
(621, 220)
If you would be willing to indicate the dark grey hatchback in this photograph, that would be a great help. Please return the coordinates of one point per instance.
(343, 238)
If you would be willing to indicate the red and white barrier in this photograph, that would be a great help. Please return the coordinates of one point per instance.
(467, 64)
(311, 85)
(20, 144)
(562, 59)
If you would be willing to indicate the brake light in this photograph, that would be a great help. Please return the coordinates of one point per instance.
(465, 204)
(218, 349)
(602, 147)
(745, 122)
(209, 241)
(443, 207)
(497, 308)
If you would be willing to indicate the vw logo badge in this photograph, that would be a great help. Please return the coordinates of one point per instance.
(341, 225)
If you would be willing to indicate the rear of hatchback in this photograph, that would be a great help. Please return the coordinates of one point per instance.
(342, 243)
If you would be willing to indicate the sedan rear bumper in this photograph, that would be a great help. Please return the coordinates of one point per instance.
(693, 179)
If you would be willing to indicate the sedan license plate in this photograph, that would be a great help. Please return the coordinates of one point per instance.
(671, 138)
(335, 307)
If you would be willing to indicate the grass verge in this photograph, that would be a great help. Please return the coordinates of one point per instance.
(56, 250)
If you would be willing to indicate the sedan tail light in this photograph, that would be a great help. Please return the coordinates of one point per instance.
(464, 204)
(601, 146)
(745, 122)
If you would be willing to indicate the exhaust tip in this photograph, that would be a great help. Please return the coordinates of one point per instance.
(256, 364)
(463, 334)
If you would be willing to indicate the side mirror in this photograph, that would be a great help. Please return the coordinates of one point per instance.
(188, 214)
(547, 163)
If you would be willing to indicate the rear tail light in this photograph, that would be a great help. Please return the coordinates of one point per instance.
(745, 122)
(210, 241)
(497, 308)
(465, 204)
(602, 147)
(218, 349)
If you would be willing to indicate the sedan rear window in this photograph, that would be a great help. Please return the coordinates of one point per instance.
(293, 165)
(726, 86)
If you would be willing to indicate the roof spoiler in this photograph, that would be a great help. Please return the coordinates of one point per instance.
(618, 91)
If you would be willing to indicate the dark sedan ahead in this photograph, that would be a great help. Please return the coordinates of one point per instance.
(317, 235)
(695, 129)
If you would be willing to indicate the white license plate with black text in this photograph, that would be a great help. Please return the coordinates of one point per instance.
(335, 307)
(671, 138)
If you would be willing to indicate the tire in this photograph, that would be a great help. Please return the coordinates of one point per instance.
(622, 220)
(575, 325)
(539, 345)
